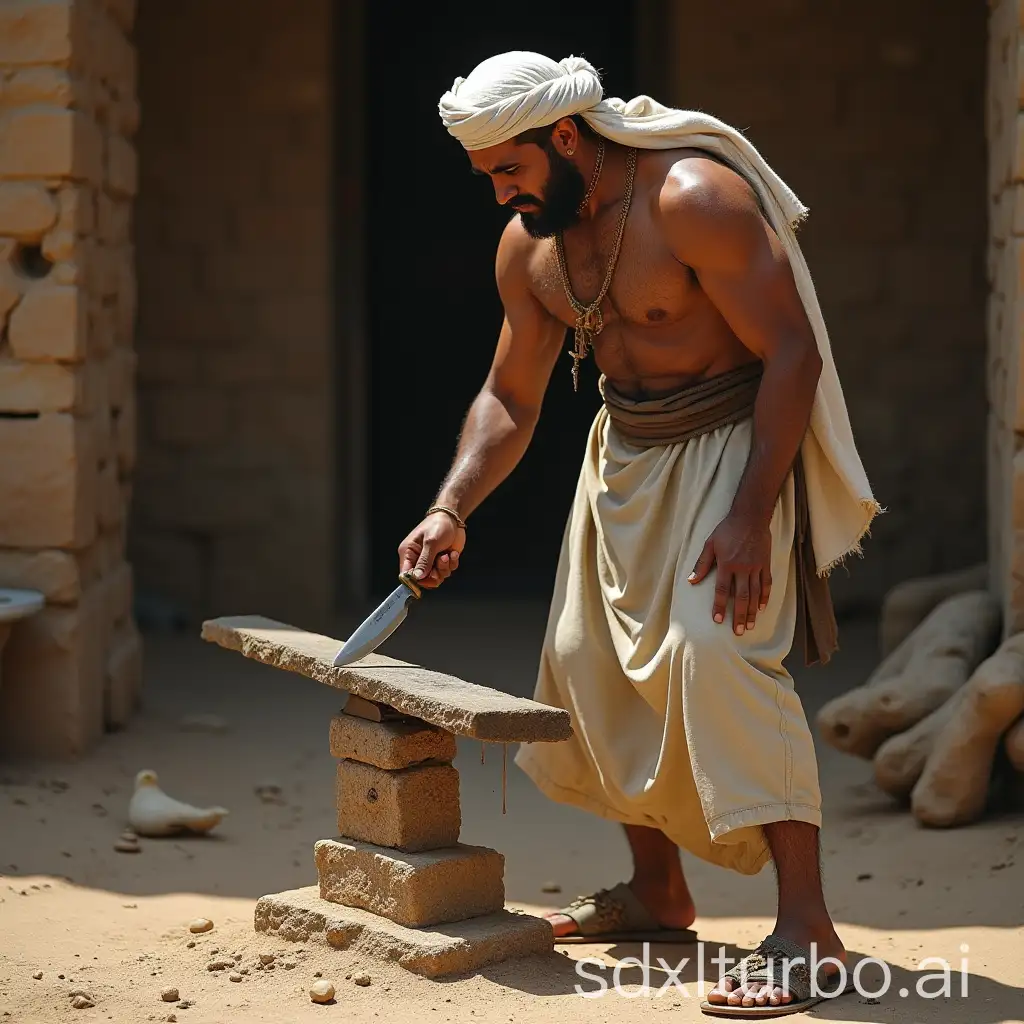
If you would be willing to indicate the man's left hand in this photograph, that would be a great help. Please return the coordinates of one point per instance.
(742, 548)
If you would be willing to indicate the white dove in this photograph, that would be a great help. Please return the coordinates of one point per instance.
(153, 813)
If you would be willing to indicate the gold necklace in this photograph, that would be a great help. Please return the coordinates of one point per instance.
(589, 322)
(594, 178)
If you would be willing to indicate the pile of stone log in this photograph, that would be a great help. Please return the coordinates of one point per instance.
(396, 883)
(942, 717)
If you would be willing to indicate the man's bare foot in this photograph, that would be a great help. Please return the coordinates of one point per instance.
(671, 905)
(730, 992)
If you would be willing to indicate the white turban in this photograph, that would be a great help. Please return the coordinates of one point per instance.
(513, 92)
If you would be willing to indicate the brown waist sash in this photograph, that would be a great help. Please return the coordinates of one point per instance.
(718, 402)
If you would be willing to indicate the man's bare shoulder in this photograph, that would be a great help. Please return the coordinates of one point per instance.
(699, 201)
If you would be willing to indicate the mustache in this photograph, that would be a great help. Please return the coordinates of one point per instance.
(525, 200)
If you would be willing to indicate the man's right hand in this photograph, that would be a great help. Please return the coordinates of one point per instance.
(432, 550)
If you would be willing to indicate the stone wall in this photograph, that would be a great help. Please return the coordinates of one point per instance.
(67, 404)
(1005, 128)
(876, 120)
(234, 494)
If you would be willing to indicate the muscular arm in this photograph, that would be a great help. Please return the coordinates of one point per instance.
(715, 226)
(501, 420)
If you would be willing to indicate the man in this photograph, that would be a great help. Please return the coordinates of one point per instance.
(719, 486)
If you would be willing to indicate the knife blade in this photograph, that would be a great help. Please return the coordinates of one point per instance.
(378, 626)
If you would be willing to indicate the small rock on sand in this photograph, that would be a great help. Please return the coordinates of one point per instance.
(199, 925)
(38, 975)
(267, 958)
(318, 974)
(550, 887)
(191, 944)
(321, 992)
(169, 995)
(234, 976)
(362, 978)
(81, 1003)
(123, 846)
(269, 793)
(221, 964)
(185, 1004)
(171, 1018)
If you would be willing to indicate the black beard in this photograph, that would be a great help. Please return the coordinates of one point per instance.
(563, 192)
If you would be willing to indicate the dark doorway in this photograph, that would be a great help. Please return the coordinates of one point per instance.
(432, 306)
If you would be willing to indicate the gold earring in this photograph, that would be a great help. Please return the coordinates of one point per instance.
(569, 152)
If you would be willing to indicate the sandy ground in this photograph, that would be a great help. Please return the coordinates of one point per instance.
(115, 925)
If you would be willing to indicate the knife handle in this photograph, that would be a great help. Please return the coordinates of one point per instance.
(409, 580)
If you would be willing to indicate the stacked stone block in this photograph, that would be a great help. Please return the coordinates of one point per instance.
(67, 404)
(399, 820)
(397, 885)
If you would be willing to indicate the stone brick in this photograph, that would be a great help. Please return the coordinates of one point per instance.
(122, 167)
(414, 889)
(51, 701)
(49, 495)
(389, 745)
(76, 205)
(49, 324)
(91, 562)
(413, 809)
(41, 86)
(26, 211)
(123, 676)
(45, 142)
(61, 247)
(300, 915)
(35, 31)
(38, 387)
(53, 573)
(113, 219)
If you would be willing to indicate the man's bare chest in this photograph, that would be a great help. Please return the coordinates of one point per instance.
(649, 287)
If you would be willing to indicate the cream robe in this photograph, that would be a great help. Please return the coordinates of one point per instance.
(678, 723)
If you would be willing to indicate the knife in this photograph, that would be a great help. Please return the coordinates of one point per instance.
(382, 623)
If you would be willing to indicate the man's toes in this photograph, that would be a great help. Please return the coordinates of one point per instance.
(721, 992)
(739, 995)
(778, 997)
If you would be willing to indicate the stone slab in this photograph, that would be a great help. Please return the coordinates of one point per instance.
(462, 708)
(413, 889)
(411, 809)
(300, 915)
(389, 745)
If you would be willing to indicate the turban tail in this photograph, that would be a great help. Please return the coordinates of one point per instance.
(514, 92)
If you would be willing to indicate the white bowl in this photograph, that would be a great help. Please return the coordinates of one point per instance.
(19, 604)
